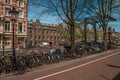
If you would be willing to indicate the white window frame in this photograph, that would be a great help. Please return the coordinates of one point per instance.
(21, 14)
(7, 41)
(20, 40)
(7, 11)
(20, 26)
(20, 3)
(7, 1)
(7, 28)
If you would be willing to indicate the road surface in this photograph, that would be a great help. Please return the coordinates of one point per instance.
(104, 66)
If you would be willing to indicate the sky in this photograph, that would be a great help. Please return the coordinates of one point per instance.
(33, 13)
(55, 20)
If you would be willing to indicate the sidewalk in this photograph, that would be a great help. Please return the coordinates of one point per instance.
(43, 66)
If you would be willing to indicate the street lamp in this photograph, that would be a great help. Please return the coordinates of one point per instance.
(3, 46)
(14, 15)
(2, 19)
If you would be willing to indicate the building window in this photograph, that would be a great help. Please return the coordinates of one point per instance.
(39, 37)
(20, 15)
(19, 41)
(7, 1)
(20, 27)
(30, 25)
(37, 25)
(7, 41)
(7, 10)
(7, 26)
(35, 37)
(51, 37)
(54, 37)
(43, 37)
(51, 31)
(35, 43)
(43, 31)
(20, 3)
(30, 37)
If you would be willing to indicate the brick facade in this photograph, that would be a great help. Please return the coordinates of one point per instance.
(6, 25)
(38, 33)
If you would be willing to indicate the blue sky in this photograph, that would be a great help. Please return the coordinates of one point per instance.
(56, 20)
(115, 25)
(33, 13)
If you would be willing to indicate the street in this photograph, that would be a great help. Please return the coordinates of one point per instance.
(103, 66)
(59, 40)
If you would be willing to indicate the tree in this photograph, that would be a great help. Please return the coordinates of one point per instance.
(104, 11)
(79, 32)
(64, 32)
(65, 9)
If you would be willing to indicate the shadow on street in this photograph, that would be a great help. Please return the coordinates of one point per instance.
(117, 77)
(104, 77)
(113, 66)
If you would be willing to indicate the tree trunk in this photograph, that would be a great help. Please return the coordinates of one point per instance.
(72, 37)
(85, 31)
(95, 31)
(105, 37)
(72, 25)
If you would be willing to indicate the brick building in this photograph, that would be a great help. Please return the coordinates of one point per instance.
(115, 37)
(40, 33)
(91, 35)
(6, 25)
